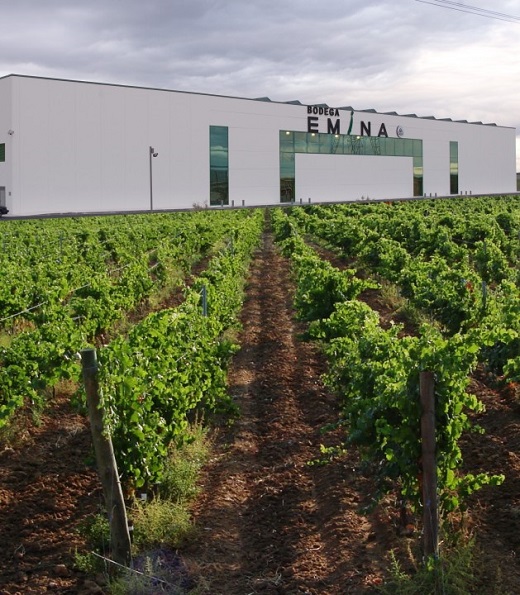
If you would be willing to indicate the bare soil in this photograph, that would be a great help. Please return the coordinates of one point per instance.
(47, 490)
(268, 519)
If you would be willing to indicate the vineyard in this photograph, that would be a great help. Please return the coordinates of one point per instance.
(465, 277)
(317, 340)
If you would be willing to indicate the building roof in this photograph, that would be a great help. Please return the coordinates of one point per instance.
(265, 99)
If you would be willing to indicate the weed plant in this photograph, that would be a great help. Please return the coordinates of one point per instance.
(160, 524)
(459, 570)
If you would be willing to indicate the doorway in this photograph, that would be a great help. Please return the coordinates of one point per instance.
(3, 206)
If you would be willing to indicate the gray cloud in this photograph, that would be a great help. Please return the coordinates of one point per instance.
(403, 55)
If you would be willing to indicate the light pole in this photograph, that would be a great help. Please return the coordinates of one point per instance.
(151, 153)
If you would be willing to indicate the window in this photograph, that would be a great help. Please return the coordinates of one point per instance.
(2, 152)
(454, 167)
(218, 165)
(287, 187)
(344, 144)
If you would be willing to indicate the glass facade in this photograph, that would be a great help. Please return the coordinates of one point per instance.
(454, 167)
(2, 152)
(344, 144)
(218, 165)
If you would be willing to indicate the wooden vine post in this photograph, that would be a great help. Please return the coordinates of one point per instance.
(106, 463)
(429, 466)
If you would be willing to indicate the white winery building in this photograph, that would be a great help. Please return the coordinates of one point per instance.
(81, 147)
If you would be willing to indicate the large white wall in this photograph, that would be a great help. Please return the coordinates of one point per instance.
(487, 162)
(5, 138)
(84, 147)
(336, 178)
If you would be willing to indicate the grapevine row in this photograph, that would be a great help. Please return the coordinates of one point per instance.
(458, 261)
(375, 373)
(106, 268)
(174, 362)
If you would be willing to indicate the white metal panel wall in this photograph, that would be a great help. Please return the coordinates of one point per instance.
(486, 153)
(487, 161)
(254, 162)
(254, 167)
(6, 138)
(85, 147)
(45, 138)
(87, 194)
(335, 178)
(436, 136)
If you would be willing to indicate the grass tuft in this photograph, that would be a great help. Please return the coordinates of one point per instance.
(458, 571)
(160, 522)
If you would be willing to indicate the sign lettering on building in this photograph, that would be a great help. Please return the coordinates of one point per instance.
(328, 120)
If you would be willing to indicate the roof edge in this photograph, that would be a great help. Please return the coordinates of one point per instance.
(294, 102)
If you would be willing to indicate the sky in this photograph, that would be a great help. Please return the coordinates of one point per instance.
(390, 55)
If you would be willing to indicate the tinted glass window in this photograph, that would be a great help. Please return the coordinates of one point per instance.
(454, 167)
(218, 165)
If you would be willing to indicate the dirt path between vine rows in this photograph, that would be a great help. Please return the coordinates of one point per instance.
(267, 520)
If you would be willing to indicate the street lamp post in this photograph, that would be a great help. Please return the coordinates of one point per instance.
(151, 154)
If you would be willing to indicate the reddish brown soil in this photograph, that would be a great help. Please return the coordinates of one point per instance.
(268, 520)
(46, 490)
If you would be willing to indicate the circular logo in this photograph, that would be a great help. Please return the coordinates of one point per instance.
(399, 131)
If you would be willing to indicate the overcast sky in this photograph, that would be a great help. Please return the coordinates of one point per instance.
(391, 55)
